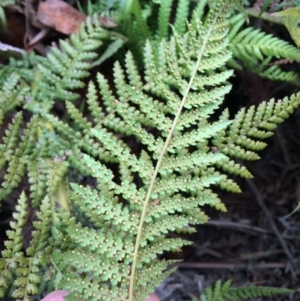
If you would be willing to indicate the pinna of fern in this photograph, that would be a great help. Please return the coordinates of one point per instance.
(23, 268)
(225, 292)
(255, 50)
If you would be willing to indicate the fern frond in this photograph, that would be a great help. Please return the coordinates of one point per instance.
(10, 140)
(37, 179)
(131, 111)
(255, 49)
(28, 271)
(164, 18)
(225, 292)
(94, 107)
(105, 239)
(275, 73)
(216, 293)
(182, 12)
(111, 49)
(13, 93)
(63, 69)
(198, 12)
(13, 176)
(13, 247)
(243, 138)
(17, 158)
(250, 292)
(250, 44)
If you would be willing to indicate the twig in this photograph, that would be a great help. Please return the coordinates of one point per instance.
(261, 203)
(6, 47)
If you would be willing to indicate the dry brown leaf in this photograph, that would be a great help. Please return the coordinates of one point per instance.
(65, 18)
(61, 16)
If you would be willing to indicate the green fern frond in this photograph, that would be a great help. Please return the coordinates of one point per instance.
(173, 181)
(13, 92)
(105, 239)
(216, 293)
(34, 154)
(37, 178)
(23, 67)
(199, 11)
(15, 264)
(250, 292)
(28, 271)
(243, 138)
(64, 69)
(164, 18)
(225, 292)
(275, 73)
(131, 111)
(13, 176)
(182, 12)
(134, 22)
(93, 106)
(17, 158)
(10, 140)
(36, 83)
(111, 49)
(255, 49)
(13, 247)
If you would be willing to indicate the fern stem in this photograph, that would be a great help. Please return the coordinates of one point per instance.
(158, 164)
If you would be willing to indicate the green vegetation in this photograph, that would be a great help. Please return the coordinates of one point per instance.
(102, 242)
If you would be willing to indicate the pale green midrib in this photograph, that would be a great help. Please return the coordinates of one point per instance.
(158, 164)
